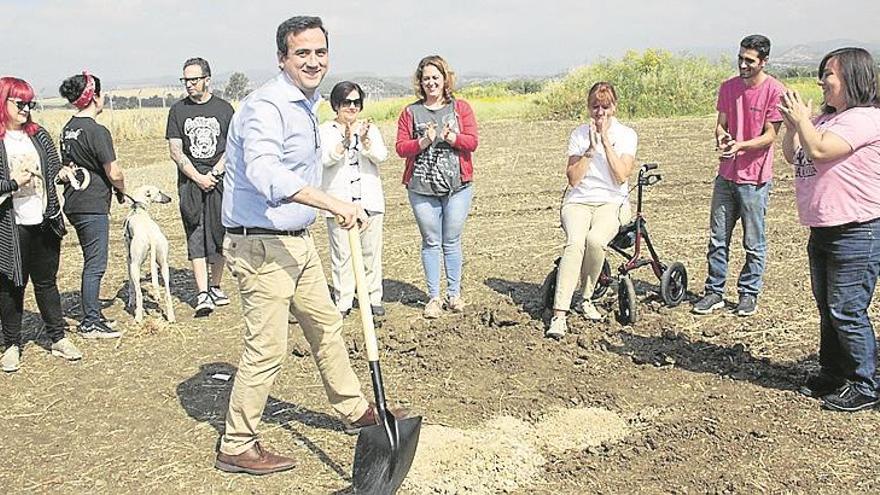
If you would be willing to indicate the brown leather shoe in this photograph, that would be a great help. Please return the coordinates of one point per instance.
(255, 460)
(371, 418)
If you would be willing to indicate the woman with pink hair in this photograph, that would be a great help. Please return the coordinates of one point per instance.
(31, 225)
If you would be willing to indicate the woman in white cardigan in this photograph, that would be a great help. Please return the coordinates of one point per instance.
(351, 150)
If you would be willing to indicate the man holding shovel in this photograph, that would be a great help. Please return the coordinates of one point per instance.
(271, 191)
(196, 133)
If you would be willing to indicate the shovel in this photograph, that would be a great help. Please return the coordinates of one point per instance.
(384, 452)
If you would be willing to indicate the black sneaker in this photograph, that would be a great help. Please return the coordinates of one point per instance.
(98, 330)
(818, 386)
(748, 304)
(710, 302)
(377, 310)
(848, 399)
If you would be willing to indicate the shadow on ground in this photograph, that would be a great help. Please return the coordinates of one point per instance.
(734, 361)
(206, 399)
(403, 292)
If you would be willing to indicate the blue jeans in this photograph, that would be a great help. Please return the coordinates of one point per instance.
(844, 265)
(441, 222)
(93, 231)
(732, 202)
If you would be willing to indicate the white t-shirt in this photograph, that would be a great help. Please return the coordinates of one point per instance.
(27, 201)
(599, 186)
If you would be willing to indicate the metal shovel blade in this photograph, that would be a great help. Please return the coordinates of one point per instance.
(384, 454)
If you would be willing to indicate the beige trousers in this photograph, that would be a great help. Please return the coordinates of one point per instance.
(340, 262)
(588, 229)
(279, 275)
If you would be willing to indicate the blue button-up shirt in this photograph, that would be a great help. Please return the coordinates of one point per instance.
(272, 151)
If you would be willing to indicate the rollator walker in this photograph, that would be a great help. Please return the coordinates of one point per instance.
(628, 243)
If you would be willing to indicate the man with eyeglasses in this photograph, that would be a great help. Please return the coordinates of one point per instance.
(270, 199)
(748, 120)
(196, 134)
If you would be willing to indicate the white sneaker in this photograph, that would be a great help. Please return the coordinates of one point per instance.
(557, 329)
(11, 359)
(204, 304)
(590, 311)
(455, 304)
(218, 296)
(64, 348)
(434, 309)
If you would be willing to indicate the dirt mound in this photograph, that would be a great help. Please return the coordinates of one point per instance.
(563, 430)
(506, 453)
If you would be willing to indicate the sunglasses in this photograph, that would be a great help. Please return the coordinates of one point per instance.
(187, 80)
(30, 105)
(359, 103)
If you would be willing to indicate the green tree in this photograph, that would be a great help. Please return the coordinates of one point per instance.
(236, 86)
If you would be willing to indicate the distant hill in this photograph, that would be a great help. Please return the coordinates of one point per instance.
(810, 54)
(796, 59)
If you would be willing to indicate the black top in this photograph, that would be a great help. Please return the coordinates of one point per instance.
(202, 127)
(87, 144)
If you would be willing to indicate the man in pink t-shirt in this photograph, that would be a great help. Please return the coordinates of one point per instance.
(748, 119)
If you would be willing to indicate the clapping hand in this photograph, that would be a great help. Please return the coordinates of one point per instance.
(448, 134)
(794, 109)
(721, 140)
(594, 141)
(725, 143)
(364, 133)
(431, 131)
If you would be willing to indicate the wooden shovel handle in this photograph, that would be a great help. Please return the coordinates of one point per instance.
(363, 294)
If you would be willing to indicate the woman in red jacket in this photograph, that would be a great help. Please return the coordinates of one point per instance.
(436, 135)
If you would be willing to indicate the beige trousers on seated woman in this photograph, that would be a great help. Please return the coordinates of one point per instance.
(588, 229)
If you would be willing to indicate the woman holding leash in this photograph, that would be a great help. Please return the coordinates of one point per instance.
(837, 185)
(351, 151)
(437, 135)
(91, 174)
(601, 157)
(31, 225)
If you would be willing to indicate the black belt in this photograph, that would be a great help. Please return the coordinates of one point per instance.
(262, 231)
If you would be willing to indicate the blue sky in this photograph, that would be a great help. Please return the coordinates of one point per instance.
(122, 40)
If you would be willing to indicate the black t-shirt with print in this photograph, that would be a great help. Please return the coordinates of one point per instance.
(87, 144)
(202, 127)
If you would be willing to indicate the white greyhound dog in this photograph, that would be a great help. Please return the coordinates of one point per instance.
(142, 237)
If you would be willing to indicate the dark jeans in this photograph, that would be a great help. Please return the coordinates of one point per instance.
(844, 265)
(40, 251)
(94, 237)
(732, 202)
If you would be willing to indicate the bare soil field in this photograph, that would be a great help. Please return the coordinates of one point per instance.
(672, 404)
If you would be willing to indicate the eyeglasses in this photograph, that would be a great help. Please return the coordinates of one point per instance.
(359, 103)
(30, 105)
(193, 80)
